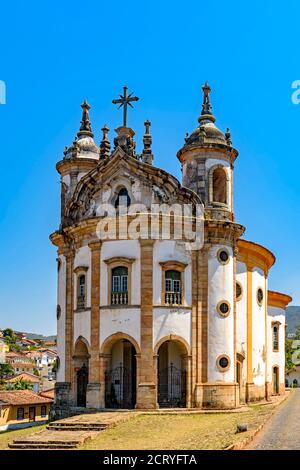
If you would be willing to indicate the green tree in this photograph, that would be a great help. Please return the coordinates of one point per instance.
(288, 353)
(20, 385)
(297, 332)
(6, 371)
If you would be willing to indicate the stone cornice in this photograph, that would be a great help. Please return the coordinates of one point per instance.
(277, 299)
(255, 255)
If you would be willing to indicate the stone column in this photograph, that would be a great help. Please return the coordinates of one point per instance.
(146, 390)
(201, 334)
(93, 388)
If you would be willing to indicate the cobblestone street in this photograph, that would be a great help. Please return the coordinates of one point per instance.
(283, 430)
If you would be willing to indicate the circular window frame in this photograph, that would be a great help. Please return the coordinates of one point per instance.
(239, 297)
(219, 258)
(224, 315)
(223, 369)
(260, 303)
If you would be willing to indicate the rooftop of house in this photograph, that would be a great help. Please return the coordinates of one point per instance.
(25, 376)
(48, 393)
(22, 397)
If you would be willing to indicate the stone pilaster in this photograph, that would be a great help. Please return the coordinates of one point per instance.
(201, 337)
(69, 340)
(93, 388)
(146, 391)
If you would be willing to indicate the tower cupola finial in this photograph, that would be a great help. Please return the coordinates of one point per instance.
(206, 113)
(85, 124)
(147, 155)
(105, 144)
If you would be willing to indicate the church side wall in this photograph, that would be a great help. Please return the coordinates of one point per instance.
(241, 318)
(220, 329)
(174, 320)
(126, 320)
(276, 314)
(82, 319)
(258, 333)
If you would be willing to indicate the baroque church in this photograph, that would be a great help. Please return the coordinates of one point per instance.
(144, 322)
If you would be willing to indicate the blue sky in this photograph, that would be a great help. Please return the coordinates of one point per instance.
(55, 54)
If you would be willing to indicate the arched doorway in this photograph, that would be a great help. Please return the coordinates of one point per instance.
(120, 376)
(171, 375)
(81, 367)
(275, 380)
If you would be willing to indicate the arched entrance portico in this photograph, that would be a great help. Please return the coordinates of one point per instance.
(120, 372)
(81, 369)
(172, 374)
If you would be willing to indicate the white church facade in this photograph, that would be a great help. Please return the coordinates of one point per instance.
(145, 321)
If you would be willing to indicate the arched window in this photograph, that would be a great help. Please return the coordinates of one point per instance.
(119, 283)
(275, 337)
(219, 186)
(81, 291)
(173, 287)
(123, 198)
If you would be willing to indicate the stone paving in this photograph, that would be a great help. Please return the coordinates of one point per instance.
(283, 430)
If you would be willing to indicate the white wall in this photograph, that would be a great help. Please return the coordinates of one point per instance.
(258, 328)
(82, 325)
(83, 258)
(220, 329)
(61, 322)
(168, 321)
(276, 358)
(170, 250)
(124, 320)
(241, 316)
(126, 248)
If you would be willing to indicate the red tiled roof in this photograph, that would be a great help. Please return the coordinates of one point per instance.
(29, 365)
(22, 397)
(48, 393)
(24, 376)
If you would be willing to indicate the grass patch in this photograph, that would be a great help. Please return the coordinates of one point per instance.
(179, 432)
(7, 436)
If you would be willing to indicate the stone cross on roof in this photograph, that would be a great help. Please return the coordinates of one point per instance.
(124, 101)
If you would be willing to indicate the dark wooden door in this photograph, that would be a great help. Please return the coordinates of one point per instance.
(82, 381)
(32, 413)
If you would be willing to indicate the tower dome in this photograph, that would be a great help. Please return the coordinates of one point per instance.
(84, 145)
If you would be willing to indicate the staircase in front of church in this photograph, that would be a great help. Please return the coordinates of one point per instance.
(72, 432)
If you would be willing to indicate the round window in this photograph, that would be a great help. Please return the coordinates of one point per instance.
(238, 291)
(223, 308)
(260, 296)
(223, 363)
(223, 256)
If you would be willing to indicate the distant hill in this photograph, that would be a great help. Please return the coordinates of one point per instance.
(292, 318)
(38, 336)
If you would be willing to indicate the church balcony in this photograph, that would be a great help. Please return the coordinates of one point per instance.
(81, 302)
(119, 298)
(173, 298)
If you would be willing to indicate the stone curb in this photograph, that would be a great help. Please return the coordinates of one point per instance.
(243, 443)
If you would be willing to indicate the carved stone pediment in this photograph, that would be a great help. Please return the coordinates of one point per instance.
(145, 185)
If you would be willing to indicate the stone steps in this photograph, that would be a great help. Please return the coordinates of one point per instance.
(42, 446)
(69, 433)
(77, 427)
